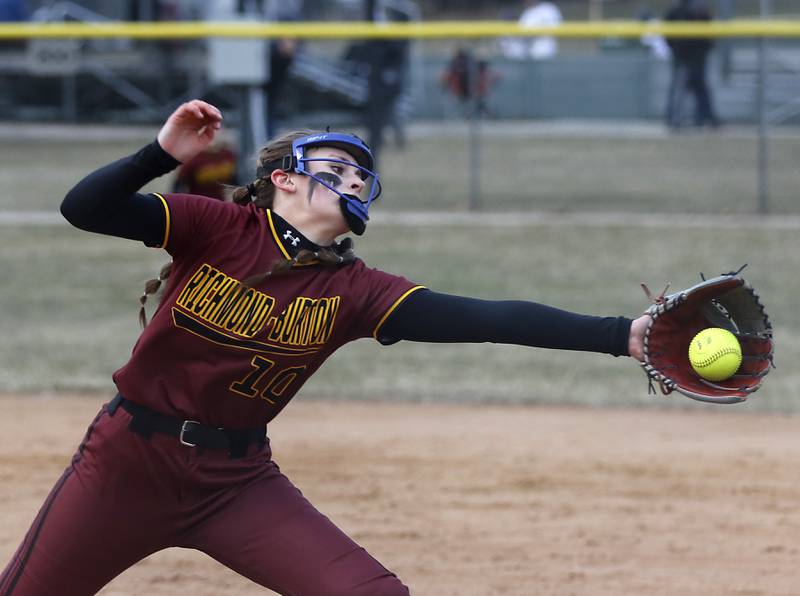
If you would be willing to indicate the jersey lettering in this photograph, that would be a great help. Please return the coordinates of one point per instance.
(212, 296)
(223, 301)
(305, 322)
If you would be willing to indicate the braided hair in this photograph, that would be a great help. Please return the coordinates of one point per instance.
(261, 193)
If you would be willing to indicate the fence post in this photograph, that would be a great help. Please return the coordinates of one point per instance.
(763, 132)
(475, 116)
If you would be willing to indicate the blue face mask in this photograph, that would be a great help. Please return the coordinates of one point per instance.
(355, 209)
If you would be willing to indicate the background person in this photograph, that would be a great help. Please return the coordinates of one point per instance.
(469, 80)
(541, 13)
(386, 63)
(209, 172)
(281, 55)
(655, 43)
(689, 63)
(388, 59)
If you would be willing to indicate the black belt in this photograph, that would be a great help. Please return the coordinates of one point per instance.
(145, 422)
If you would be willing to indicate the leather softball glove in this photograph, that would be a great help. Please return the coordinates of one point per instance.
(727, 302)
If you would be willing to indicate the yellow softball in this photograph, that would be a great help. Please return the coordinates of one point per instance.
(715, 354)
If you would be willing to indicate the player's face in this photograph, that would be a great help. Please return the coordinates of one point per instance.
(346, 179)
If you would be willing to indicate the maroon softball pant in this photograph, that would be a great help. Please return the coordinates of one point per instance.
(124, 497)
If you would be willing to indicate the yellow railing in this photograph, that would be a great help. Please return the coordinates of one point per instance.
(427, 30)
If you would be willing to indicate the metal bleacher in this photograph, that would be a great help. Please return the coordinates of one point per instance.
(113, 80)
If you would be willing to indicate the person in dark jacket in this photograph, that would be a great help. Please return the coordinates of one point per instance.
(689, 61)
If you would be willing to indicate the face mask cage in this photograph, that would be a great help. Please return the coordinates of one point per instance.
(353, 146)
(332, 181)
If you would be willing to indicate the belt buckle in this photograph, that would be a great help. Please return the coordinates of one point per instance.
(184, 429)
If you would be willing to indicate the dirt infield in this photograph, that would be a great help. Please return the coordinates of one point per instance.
(476, 500)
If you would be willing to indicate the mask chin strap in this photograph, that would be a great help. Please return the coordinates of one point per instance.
(355, 213)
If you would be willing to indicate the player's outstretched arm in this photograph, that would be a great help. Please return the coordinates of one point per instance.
(433, 317)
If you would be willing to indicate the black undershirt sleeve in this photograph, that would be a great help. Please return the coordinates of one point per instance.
(432, 317)
(107, 202)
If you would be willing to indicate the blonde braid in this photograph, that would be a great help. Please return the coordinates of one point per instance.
(151, 286)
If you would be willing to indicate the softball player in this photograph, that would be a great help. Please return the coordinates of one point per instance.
(259, 294)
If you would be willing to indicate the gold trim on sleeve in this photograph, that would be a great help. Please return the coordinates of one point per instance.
(168, 222)
(393, 307)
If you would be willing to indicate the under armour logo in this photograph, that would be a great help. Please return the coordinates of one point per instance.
(288, 236)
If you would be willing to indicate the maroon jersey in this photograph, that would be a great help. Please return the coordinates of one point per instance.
(230, 356)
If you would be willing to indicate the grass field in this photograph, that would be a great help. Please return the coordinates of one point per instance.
(69, 299)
